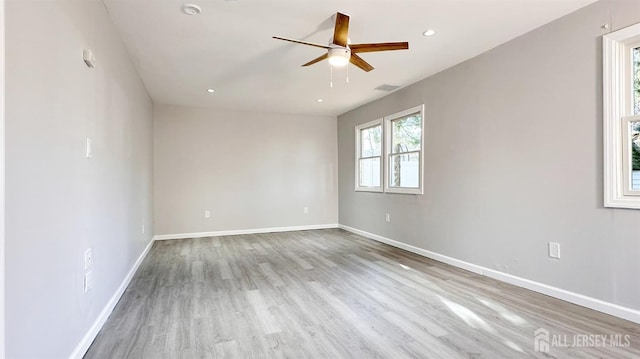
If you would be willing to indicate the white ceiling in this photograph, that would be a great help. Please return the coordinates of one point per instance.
(229, 47)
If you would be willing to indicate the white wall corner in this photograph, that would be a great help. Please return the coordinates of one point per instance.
(2, 206)
(575, 298)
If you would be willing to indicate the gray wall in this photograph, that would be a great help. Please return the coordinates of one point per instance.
(251, 170)
(58, 203)
(513, 160)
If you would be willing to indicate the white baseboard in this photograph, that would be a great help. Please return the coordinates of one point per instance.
(85, 343)
(575, 298)
(162, 237)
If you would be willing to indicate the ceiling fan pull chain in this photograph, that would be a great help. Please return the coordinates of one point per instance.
(330, 76)
(347, 73)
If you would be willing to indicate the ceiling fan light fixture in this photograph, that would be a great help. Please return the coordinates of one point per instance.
(339, 56)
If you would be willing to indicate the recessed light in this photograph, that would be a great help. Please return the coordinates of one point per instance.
(319, 100)
(211, 90)
(191, 9)
(429, 32)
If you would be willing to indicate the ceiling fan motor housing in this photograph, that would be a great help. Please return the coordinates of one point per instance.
(339, 56)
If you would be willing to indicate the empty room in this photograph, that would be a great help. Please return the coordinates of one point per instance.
(319, 179)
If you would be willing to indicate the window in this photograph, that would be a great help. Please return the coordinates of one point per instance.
(621, 105)
(631, 155)
(395, 151)
(369, 157)
(403, 149)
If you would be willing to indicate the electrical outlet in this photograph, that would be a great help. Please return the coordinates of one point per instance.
(387, 217)
(88, 259)
(88, 281)
(305, 210)
(207, 214)
(554, 250)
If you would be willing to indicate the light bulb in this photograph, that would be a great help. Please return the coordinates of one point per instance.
(339, 56)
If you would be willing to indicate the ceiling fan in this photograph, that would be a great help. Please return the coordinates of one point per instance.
(340, 52)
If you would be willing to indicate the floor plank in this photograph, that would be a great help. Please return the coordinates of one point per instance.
(333, 294)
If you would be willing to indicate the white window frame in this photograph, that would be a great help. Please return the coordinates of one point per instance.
(358, 130)
(626, 156)
(387, 133)
(617, 112)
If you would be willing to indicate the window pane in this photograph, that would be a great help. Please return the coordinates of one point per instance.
(371, 141)
(405, 170)
(370, 172)
(634, 132)
(406, 133)
(636, 81)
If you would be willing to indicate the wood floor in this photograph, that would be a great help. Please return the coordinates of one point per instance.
(333, 294)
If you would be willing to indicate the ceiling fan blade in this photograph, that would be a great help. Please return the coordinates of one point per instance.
(301, 42)
(317, 59)
(341, 31)
(381, 46)
(358, 61)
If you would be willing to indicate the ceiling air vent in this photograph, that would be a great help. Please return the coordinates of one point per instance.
(387, 87)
